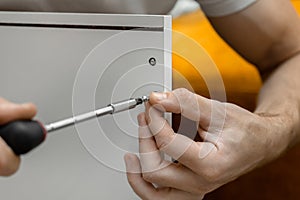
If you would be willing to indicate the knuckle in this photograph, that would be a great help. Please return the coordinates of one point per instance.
(200, 190)
(184, 96)
(161, 144)
(181, 93)
(140, 115)
(151, 177)
(164, 140)
(212, 175)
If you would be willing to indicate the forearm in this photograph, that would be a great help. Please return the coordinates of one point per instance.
(267, 35)
(279, 100)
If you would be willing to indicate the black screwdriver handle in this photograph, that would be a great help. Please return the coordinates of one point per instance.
(23, 136)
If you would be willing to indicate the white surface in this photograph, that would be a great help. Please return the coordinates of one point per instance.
(95, 6)
(65, 71)
(83, 19)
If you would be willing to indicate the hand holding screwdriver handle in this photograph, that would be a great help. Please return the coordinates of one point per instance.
(23, 135)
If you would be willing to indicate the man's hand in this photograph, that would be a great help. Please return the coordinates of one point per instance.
(234, 142)
(9, 162)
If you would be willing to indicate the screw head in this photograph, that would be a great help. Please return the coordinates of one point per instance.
(152, 61)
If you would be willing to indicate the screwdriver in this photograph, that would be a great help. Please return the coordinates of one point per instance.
(24, 135)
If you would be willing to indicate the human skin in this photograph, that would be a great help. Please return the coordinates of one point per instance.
(267, 35)
(9, 162)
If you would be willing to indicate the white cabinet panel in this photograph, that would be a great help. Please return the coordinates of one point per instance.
(69, 64)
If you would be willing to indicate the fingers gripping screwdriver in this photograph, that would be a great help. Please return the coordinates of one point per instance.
(24, 135)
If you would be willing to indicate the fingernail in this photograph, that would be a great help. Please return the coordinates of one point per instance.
(159, 96)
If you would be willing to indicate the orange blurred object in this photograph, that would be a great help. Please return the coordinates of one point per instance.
(200, 54)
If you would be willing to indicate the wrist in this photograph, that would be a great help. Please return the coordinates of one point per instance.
(281, 131)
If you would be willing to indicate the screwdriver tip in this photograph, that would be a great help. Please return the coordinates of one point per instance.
(142, 99)
(145, 98)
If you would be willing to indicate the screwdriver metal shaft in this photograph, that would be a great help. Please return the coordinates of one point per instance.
(110, 109)
(24, 135)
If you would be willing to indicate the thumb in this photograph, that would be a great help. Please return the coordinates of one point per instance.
(188, 104)
(182, 101)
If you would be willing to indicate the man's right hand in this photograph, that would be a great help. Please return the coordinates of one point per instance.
(234, 141)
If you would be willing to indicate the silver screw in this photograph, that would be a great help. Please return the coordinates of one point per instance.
(152, 61)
